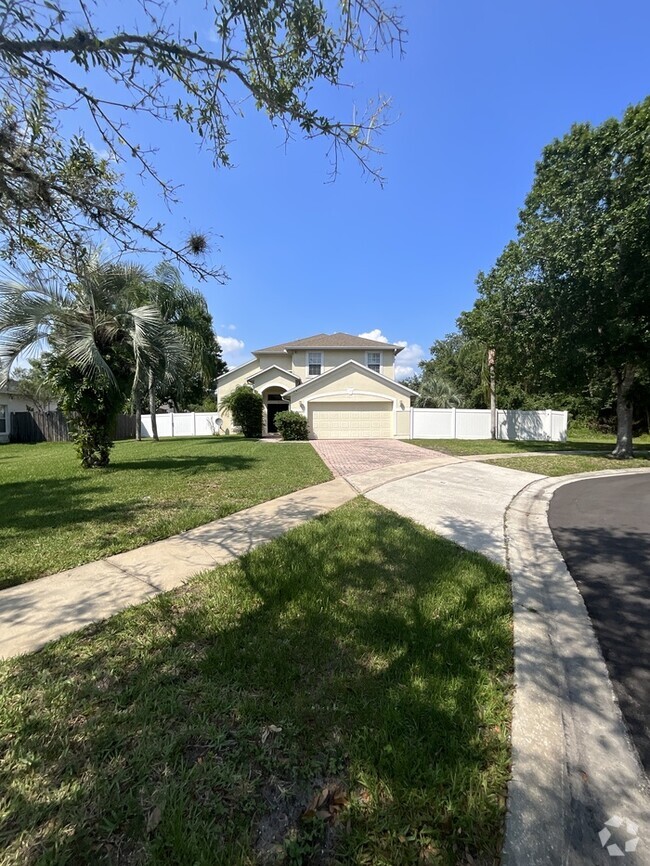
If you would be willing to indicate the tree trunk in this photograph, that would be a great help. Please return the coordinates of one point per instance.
(136, 401)
(624, 414)
(493, 393)
(152, 407)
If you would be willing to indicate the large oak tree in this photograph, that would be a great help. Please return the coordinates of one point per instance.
(569, 300)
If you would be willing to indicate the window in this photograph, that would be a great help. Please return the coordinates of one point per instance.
(3, 419)
(315, 363)
(374, 361)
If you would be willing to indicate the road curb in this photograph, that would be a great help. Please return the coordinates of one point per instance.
(573, 765)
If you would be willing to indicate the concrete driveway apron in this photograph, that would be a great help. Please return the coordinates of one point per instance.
(464, 502)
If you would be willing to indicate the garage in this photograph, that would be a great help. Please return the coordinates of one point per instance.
(351, 420)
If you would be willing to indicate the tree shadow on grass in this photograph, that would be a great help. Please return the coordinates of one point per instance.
(58, 501)
(379, 653)
(52, 506)
(186, 463)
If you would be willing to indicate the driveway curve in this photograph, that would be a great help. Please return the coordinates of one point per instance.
(574, 768)
(462, 501)
(602, 528)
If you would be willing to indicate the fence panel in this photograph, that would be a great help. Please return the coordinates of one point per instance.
(524, 425)
(559, 425)
(124, 427)
(206, 423)
(32, 427)
(181, 424)
(472, 424)
(433, 423)
(512, 424)
(164, 425)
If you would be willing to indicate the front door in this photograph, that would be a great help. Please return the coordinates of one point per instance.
(272, 410)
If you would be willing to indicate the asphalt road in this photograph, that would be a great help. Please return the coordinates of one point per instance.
(602, 528)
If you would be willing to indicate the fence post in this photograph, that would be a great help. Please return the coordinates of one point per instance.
(453, 422)
(194, 423)
(549, 424)
(172, 414)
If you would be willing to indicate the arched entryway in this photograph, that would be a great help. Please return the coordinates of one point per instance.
(273, 403)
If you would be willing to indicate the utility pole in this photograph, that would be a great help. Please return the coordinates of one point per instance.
(491, 358)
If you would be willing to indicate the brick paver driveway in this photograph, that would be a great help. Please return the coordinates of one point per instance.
(349, 456)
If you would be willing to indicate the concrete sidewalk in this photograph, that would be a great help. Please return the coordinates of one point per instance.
(573, 766)
(35, 613)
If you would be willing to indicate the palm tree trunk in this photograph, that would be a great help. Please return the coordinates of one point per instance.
(152, 406)
(136, 407)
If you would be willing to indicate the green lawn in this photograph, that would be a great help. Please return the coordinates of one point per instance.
(580, 439)
(56, 515)
(569, 464)
(358, 668)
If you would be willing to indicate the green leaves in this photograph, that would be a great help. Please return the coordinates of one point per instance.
(276, 52)
(568, 302)
(245, 404)
(106, 330)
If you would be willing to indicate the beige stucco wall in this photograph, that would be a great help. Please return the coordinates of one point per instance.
(402, 423)
(282, 360)
(232, 380)
(355, 385)
(352, 386)
(276, 378)
(335, 357)
(238, 377)
(227, 384)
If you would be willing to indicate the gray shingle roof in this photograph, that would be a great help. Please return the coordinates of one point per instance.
(339, 340)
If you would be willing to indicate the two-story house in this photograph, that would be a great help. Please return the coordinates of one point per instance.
(344, 385)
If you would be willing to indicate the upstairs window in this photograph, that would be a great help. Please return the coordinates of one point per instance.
(315, 363)
(374, 361)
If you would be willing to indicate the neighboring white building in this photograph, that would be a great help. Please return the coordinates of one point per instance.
(345, 385)
(11, 400)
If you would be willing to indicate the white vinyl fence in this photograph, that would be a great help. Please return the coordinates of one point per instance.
(182, 424)
(425, 424)
(545, 425)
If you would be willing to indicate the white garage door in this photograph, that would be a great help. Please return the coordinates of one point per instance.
(351, 420)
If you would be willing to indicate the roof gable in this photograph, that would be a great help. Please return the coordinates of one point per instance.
(330, 374)
(259, 373)
(239, 370)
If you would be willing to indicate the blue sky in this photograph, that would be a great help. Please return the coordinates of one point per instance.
(482, 87)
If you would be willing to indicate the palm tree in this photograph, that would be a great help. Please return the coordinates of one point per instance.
(94, 340)
(190, 340)
(437, 393)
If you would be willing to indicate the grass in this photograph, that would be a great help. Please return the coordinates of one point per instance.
(568, 464)
(580, 439)
(57, 515)
(359, 665)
